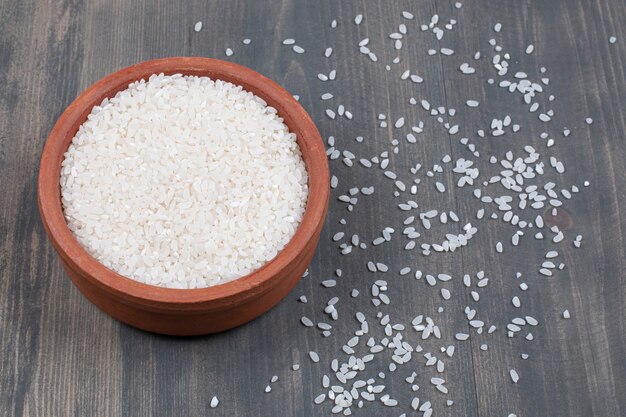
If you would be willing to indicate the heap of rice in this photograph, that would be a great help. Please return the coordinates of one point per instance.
(183, 182)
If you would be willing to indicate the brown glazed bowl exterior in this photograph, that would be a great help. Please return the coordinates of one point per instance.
(192, 311)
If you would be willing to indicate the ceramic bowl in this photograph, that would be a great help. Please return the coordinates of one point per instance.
(190, 311)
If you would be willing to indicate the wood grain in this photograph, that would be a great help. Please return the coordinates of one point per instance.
(60, 356)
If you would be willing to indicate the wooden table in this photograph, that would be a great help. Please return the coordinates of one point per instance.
(61, 356)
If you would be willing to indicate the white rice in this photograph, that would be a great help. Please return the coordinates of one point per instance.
(183, 182)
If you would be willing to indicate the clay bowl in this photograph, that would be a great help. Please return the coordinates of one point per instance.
(195, 311)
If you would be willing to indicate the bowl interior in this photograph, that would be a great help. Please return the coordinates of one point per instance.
(295, 117)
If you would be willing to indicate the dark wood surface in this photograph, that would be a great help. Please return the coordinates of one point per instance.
(60, 356)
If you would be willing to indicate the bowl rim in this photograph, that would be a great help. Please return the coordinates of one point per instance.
(74, 256)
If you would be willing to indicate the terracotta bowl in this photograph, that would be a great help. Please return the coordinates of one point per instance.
(195, 311)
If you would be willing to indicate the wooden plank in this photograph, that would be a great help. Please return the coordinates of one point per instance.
(48, 328)
(558, 378)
